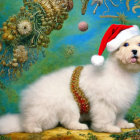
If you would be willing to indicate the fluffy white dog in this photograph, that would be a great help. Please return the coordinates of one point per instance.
(110, 90)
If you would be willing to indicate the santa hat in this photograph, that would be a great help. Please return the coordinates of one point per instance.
(113, 38)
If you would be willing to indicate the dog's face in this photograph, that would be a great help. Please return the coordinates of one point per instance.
(128, 54)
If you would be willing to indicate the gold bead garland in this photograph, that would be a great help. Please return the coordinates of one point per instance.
(78, 93)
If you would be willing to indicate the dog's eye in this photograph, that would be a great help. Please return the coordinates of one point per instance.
(138, 44)
(125, 44)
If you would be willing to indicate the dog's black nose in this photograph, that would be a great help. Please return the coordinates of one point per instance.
(134, 52)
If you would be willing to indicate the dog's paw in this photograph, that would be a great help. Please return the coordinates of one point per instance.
(130, 125)
(107, 128)
(78, 126)
(33, 130)
(113, 129)
(125, 124)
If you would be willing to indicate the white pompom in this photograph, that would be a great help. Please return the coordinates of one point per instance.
(97, 60)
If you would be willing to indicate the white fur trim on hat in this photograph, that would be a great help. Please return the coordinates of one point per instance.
(122, 37)
(97, 60)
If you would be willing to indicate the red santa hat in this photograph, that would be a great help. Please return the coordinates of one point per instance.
(113, 38)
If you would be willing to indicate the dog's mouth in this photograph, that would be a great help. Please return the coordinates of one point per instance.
(133, 60)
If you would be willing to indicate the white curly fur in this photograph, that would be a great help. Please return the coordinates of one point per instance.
(111, 89)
